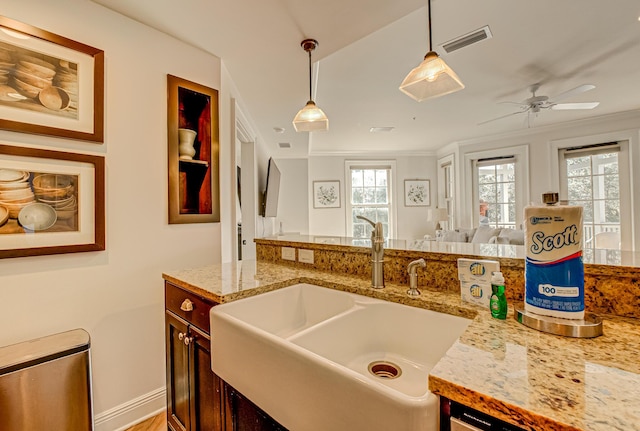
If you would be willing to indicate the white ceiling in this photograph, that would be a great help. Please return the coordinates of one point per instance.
(368, 46)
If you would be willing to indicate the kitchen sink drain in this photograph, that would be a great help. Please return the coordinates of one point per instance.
(385, 370)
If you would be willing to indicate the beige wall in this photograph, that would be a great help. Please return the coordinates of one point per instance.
(117, 295)
(540, 141)
(411, 221)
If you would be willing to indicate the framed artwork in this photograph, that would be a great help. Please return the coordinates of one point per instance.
(326, 194)
(417, 193)
(50, 85)
(51, 202)
(194, 147)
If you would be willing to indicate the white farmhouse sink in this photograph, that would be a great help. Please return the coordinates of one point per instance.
(320, 359)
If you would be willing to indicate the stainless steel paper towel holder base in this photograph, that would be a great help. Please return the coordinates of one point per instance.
(590, 327)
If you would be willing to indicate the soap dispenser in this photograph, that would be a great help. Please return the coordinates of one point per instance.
(498, 301)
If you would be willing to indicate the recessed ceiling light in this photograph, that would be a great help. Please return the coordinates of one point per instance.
(284, 145)
(381, 129)
(278, 129)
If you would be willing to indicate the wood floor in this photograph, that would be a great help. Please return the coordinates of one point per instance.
(155, 423)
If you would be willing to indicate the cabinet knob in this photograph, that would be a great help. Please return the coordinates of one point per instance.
(188, 340)
(180, 336)
(187, 305)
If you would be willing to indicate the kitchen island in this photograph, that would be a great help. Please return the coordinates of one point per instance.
(527, 378)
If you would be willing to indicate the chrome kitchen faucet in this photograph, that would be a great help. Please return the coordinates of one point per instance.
(377, 254)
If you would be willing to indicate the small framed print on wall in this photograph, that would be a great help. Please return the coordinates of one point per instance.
(326, 194)
(50, 85)
(417, 193)
(51, 202)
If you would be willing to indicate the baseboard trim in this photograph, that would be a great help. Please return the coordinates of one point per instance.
(132, 412)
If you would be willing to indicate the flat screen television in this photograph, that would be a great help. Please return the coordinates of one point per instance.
(269, 207)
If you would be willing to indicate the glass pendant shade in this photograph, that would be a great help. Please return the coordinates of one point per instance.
(432, 78)
(310, 119)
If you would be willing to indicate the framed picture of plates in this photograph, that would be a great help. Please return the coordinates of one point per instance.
(51, 202)
(50, 85)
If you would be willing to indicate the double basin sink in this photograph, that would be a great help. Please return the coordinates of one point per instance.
(321, 359)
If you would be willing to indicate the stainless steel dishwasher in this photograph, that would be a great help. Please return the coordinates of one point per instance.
(456, 417)
(45, 384)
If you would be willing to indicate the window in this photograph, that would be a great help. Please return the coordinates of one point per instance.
(500, 177)
(591, 177)
(446, 188)
(496, 184)
(370, 195)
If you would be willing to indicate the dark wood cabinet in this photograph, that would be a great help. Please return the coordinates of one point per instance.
(197, 399)
(195, 395)
(246, 416)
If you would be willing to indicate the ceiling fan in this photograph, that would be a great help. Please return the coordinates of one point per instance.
(534, 104)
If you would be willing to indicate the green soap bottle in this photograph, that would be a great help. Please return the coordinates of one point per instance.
(498, 302)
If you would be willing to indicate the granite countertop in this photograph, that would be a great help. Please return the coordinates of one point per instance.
(528, 378)
(616, 258)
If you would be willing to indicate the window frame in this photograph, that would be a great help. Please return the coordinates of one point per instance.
(624, 197)
(447, 195)
(627, 158)
(520, 154)
(391, 191)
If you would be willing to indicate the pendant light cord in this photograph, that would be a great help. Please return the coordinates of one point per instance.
(310, 98)
(429, 21)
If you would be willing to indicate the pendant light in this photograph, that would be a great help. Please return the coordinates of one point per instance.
(310, 118)
(432, 78)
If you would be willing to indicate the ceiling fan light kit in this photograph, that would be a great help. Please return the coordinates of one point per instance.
(310, 118)
(433, 77)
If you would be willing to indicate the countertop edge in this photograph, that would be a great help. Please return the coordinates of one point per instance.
(445, 302)
(496, 408)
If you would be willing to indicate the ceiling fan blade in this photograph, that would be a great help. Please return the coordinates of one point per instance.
(567, 106)
(500, 118)
(572, 92)
(507, 102)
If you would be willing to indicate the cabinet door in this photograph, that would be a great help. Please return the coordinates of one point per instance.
(206, 387)
(178, 394)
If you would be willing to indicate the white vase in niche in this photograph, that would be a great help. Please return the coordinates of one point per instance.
(186, 137)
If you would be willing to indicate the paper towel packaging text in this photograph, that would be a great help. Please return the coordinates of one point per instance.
(554, 272)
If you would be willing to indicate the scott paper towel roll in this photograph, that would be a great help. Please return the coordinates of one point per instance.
(553, 269)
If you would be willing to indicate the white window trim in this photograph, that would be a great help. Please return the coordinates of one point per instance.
(521, 155)
(442, 202)
(393, 193)
(628, 207)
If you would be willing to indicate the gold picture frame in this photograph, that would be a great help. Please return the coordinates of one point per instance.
(50, 85)
(193, 152)
(61, 204)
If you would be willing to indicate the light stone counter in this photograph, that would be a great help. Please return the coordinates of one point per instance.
(527, 378)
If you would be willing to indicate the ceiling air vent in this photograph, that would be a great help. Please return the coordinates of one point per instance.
(284, 145)
(467, 39)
